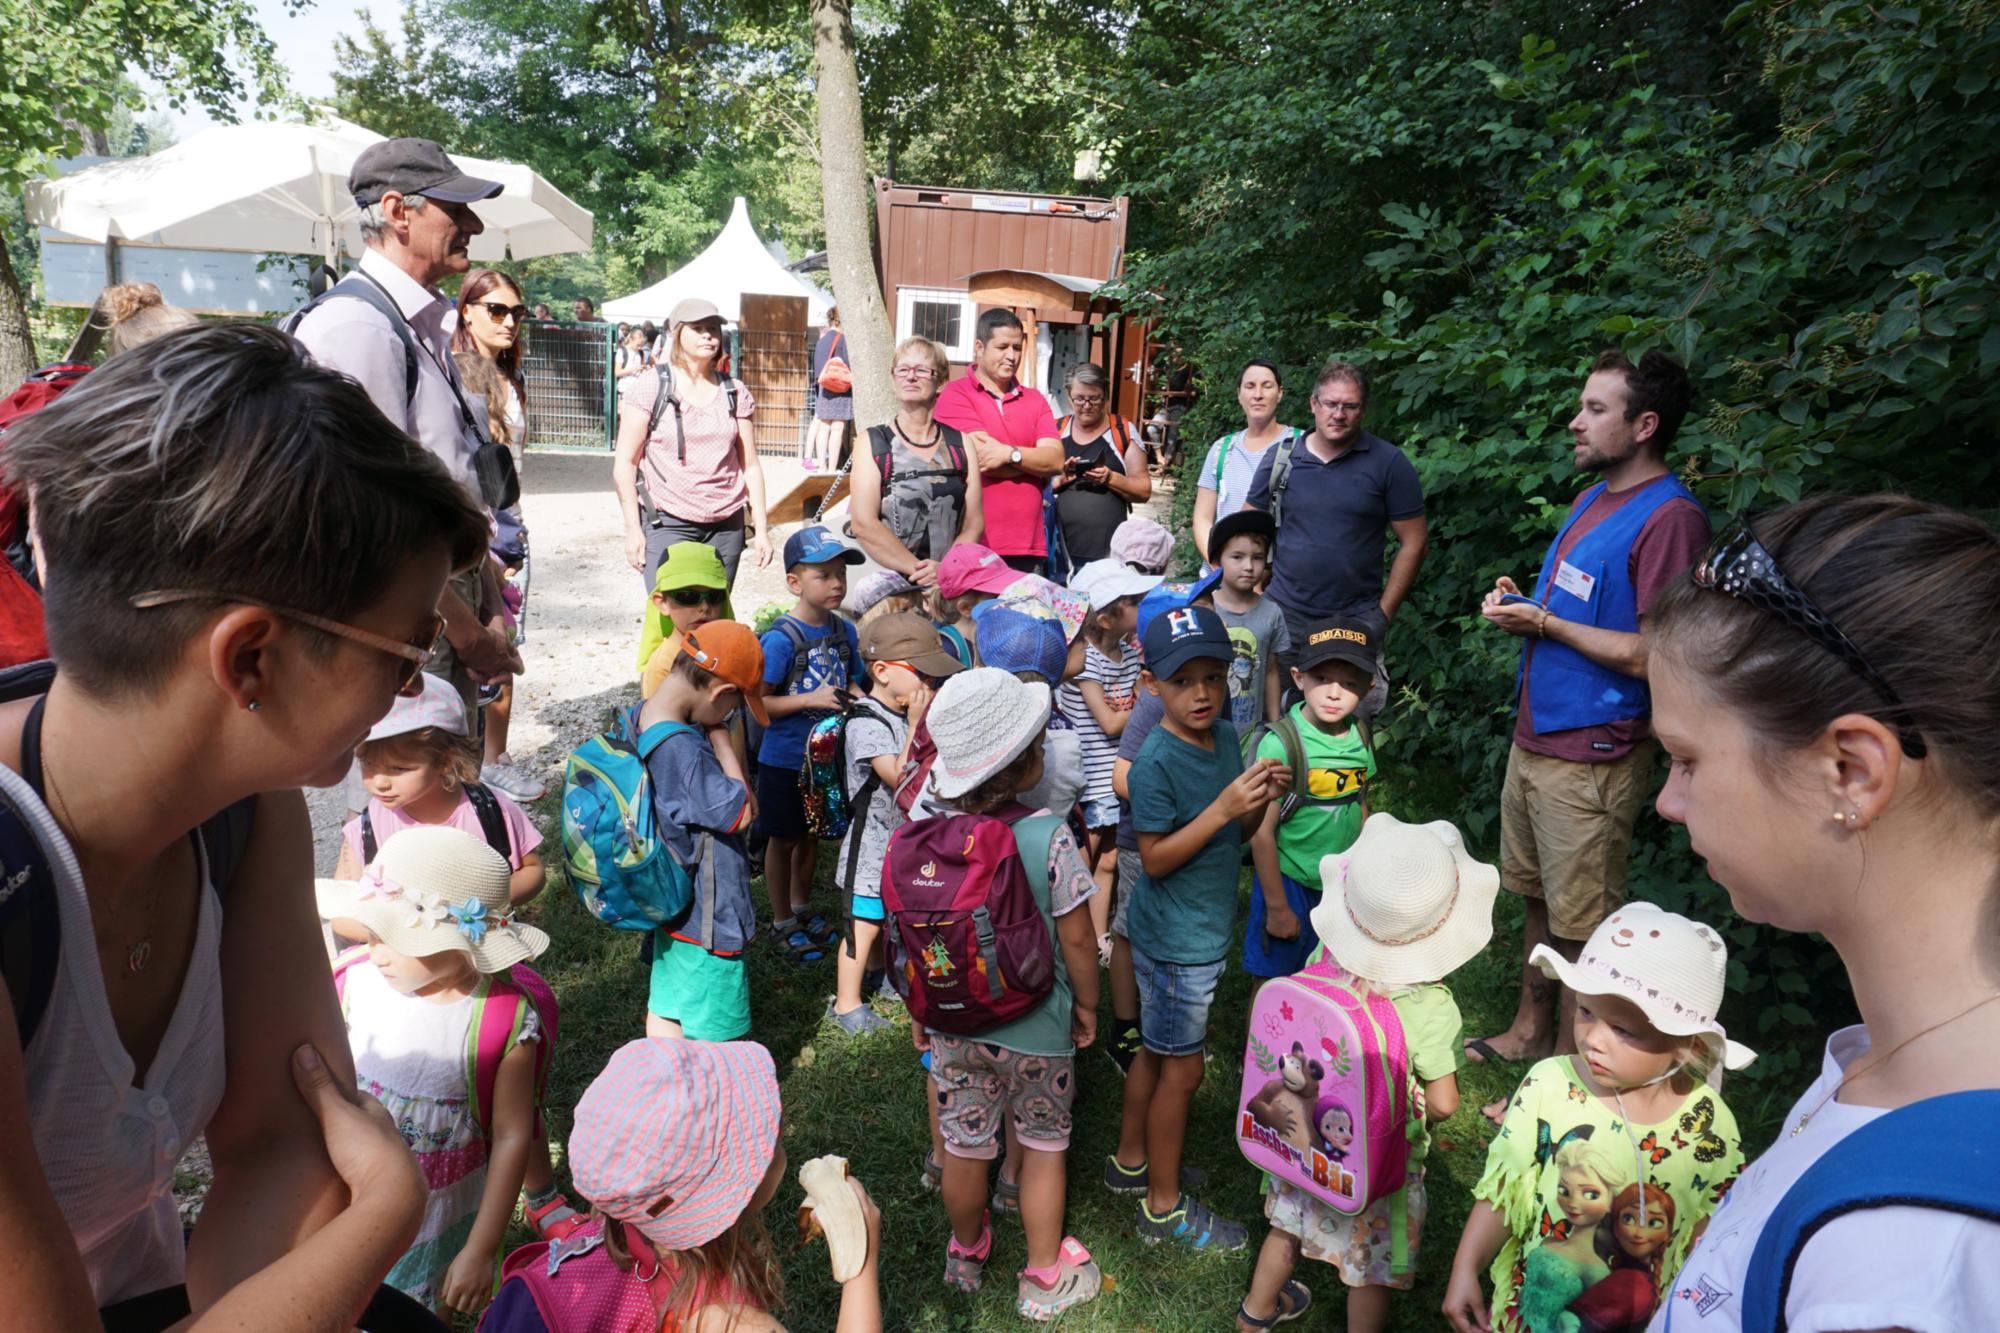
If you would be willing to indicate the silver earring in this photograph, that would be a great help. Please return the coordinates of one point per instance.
(255, 706)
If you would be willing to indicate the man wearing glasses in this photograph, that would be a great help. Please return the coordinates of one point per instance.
(1581, 764)
(1335, 495)
(417, 222)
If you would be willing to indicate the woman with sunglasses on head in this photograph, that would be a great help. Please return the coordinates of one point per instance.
(1827, 686)
(686, 467)
(914, 494)
(487, 348)
(243, 561)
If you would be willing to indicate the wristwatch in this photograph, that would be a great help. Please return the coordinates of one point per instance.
(1014, 457)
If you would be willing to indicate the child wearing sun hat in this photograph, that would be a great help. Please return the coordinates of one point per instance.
(1400, 910)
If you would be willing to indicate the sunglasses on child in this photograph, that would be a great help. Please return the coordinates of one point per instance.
(414, 653)
(693, 597)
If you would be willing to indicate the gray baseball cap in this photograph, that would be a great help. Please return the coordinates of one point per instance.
(413, 166)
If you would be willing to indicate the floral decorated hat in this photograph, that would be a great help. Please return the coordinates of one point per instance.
(432, 889)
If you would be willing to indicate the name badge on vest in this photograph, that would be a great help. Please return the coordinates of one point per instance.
(1575, 582)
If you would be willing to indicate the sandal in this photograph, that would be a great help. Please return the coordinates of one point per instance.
(815, 926)
(1293, 1300)
(933, 1177)
(964, 1269)
(1077, 1280)
(798, 945)
(558, 1229)
(1006, 1195)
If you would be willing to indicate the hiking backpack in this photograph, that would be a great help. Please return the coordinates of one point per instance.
(1279, 479)
(1286, 729)
(492, 824)
(492, 462)
(624, 873)
(836, 376)
(1327, 1103)
(1281, 476)
(843, 636)
(969, 946)
(1938, 1153)
(30, 914)
(668, 397)
(501, 1003)
(916, 773)
(830, 808)
(882, 448)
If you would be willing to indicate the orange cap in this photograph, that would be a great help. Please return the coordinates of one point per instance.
(730, 651)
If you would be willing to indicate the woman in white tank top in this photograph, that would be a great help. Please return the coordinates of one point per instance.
(241, 557)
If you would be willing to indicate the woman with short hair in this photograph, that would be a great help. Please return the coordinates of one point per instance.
(1104, 468)
(914, 493)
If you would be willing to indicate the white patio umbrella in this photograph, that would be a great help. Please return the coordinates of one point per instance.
(281, 187)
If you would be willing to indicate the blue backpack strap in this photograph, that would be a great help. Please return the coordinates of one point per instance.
(1939, 1153)
(655, 736)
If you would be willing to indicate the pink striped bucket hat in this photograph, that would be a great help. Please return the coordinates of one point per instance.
(675, 1136)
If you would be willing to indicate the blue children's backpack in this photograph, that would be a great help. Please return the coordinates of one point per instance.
(624, 873)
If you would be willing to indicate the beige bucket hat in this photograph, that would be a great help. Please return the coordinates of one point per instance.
(433, 889)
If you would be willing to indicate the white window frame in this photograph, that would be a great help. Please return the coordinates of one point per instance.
(906, 315)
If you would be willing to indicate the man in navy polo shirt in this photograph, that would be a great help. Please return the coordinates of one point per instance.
(1581, 764)
(1336, 493)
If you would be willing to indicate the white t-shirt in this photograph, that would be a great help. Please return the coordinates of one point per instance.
(1917, 1268)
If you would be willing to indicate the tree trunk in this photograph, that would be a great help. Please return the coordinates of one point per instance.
(844, 185)
(17, 340)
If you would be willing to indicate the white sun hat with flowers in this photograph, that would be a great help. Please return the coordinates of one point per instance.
(433, 889)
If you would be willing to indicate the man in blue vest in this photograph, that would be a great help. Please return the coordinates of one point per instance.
(1582, 761)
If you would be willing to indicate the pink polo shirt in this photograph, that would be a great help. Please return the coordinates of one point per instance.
(1013, 505)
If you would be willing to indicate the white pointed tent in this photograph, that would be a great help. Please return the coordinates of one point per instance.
(734, 265)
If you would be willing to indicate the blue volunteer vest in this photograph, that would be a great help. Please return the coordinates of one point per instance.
(1567, 690)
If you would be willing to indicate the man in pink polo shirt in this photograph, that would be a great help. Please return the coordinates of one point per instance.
(1011, 430)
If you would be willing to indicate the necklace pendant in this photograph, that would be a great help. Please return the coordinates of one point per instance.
(138, 956)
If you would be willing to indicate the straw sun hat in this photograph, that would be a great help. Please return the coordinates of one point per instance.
(433, 889)
(1406, 904)
(980, 720)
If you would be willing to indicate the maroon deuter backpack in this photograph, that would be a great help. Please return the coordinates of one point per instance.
(970, 946)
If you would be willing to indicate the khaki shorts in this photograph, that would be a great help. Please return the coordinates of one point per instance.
(1565, 832)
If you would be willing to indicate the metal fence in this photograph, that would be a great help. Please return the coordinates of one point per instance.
(571, 401)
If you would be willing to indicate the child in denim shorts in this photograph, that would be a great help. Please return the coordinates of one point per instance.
(1193, 803)
(1016, 1081)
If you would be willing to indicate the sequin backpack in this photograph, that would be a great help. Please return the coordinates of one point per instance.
(829, 806)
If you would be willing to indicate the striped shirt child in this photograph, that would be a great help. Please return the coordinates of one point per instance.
(1119, 679)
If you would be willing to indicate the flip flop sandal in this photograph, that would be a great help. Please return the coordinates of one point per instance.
(1293, 1300)
(965, 1270)
(799, 946)
(933, 1177)
(1481, 1052)
(1077, 1280)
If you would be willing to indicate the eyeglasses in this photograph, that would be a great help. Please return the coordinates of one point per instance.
(691, 597)
(1737, 565)
(1084, 400)
(500, 312)
(414, 653)
(914, 373)
(1338, 409)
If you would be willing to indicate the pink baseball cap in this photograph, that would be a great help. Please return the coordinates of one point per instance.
(970, 567)
(437, 704)
(675, 1136)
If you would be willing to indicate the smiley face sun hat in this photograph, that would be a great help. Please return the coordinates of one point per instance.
(1674, 970)
(1406, 904)
(433, 889)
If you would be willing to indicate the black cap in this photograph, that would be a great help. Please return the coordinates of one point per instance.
(1183, 634)
(413, 166)
(1253, 521)
(1343, 639)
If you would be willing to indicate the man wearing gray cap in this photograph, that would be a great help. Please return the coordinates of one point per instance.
(388, 327)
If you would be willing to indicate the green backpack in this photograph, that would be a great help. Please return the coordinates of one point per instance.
(1286, 729)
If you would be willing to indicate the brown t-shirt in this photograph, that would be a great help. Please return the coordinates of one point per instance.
(1667, 547)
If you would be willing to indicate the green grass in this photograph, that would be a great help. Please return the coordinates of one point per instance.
(864, 1099)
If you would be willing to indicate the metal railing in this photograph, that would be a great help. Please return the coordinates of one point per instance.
(776, 366)
(572, 403)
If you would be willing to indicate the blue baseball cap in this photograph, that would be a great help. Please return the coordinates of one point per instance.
(816, 545)
(1183, 634)
(1171, 597)
(1021, 634)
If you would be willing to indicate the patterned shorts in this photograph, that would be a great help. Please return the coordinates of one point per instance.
(1358, 1246)
(977, 1081)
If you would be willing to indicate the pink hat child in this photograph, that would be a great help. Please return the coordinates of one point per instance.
(970, 567)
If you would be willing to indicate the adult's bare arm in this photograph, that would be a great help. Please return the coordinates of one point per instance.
(630, 448)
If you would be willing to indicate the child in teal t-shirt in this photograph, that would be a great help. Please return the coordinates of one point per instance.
(1322, 815)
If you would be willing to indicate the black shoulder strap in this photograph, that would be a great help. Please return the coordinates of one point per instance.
(358, 286)
(954, 444)
(795, 632)
(669, 396)
(492, 822)
(30, 920)
(224, 838)
(881, 447)
(368, 844)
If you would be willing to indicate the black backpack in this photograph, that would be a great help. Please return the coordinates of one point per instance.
(492, 463)
(30, 915)
(492, 824)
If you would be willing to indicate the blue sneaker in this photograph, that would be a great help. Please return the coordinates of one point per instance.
(1191, 1223)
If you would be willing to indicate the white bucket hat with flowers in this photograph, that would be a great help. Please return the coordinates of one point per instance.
(1406, 904)
(1673, 969)
(981, 720)
(434, 889)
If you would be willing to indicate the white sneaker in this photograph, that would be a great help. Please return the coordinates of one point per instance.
(507, 776)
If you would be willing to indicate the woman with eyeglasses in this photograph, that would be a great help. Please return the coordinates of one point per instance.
(1223, 485)
(487, 348)
(1826, 684)
(913, 494)
(243, 561)
(1104, 469)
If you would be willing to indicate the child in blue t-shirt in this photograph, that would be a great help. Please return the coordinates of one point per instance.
(1193, 803)
(810, 655)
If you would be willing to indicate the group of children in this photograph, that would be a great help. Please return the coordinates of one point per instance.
(1151, 719)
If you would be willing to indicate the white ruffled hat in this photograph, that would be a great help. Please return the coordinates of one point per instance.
(432, 889)
(980, 720)
(1675, 970)
(1406, 904)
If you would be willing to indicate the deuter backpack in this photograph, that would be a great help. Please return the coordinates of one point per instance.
(916, 774)
(970, 949)
(624, 873)
(1327, 1101)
